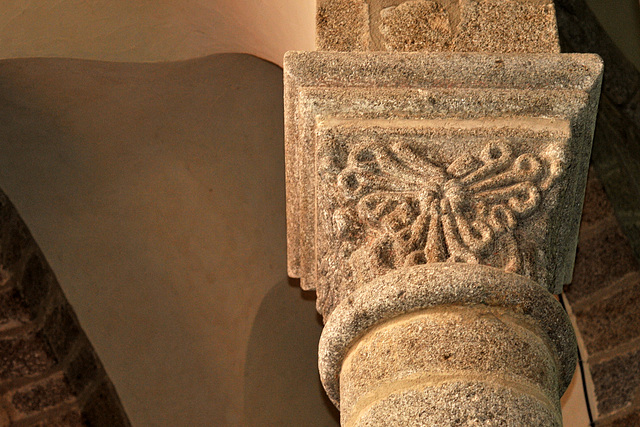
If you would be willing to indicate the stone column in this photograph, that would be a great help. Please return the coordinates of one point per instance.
(433, 204)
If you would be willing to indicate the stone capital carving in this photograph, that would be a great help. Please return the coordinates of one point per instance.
(433, 203)
(396, 160)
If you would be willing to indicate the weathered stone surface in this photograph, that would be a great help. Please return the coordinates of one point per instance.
(429, 286)
(433, 201)
(401, 159)
(437, 25)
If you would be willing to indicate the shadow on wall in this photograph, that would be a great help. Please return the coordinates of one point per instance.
(156, 193)
(282, 386)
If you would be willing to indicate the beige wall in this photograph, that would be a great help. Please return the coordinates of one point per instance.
(154, 30)
(156, 192)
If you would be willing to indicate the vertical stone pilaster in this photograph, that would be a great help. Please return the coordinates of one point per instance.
(433, 204)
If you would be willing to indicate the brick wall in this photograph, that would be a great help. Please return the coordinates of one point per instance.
(604, 299)
(49, 373)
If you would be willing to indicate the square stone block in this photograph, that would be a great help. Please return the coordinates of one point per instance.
(437, 25)
(397, 159)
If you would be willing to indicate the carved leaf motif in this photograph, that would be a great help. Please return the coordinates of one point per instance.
(416, 212)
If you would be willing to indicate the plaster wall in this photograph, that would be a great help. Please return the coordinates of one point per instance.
(154, 30)
(156, 192)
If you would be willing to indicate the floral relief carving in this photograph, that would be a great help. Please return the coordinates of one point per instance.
(411, 211)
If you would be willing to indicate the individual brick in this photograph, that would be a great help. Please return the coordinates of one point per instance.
(613, 320)
(83, 368)
(61, 329)
(13, 312)
(39, 396)
(603, 257)
(24, 357)
(616, 381)
(36, 282)
(596, 203)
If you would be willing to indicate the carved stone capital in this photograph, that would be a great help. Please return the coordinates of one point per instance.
(395, 160)
(433, 203)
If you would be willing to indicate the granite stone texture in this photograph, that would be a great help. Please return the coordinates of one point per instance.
(473, 344)
(400, 159)
(427, 287)
(437, 26)
(36, 397)
(24, 356)
(460, 403)
(433, 203)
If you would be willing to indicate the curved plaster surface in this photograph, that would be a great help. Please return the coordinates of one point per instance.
(159, 30)
(156, 192)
